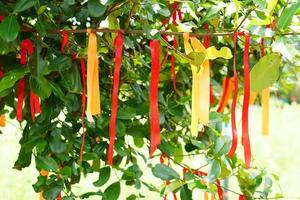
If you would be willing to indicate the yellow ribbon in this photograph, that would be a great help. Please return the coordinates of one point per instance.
(93, 90)
(265, 101)
(200, 86)
(253, 96)
(265, 111)
(2, 120)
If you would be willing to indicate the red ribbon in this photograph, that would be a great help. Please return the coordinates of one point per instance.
(234, 101)
(206, 39)
(1, 18)
(26, 49)
(83, 102)
(154, 112)
(114, 105)
(242, 197)
(59, 196)
(211, 95)
(245, 128)
(245, 109)
(34, 105)
(173, 65)
(21, 87)
(224, 93)
(65, 40)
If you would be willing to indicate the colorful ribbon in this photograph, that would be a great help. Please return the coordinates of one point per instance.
(242, 197)
(65, 40)
(93, 90)
(83, 102)
(200, 86)
(228, 85)
(26, 48)
(154, 112)
(114, 105)
(34, 105)
(234, 101)
(265, 100)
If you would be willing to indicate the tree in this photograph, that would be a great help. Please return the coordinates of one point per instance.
(32, 56)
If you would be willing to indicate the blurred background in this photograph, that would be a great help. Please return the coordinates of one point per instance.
(278, 153)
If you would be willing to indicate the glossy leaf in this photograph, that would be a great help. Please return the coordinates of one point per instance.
(265, 72)
(112, 192)
(164, 172)
(24, 5)
(9, 28)
(287, 15)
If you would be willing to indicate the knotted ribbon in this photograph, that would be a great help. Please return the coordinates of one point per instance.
(114, 105)
(154, 112)
(26, 48)
(93, 90)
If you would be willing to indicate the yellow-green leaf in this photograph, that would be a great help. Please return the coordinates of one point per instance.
(265, 72)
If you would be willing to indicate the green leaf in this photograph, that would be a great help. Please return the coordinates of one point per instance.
(95, 8)
(10, 78)
(173, 186)
(287, 15)
(56, 145)
(104, 175)
(215, 171)
(164, 12)
(40, 86)
(89, 156)
(9, 28)
(56, 89)
(112, 192)
(185, 193)
(164, 172)
(24, 5)
(265, 72)
(61, 63)
(52, 192)
(126, 113)
(66, 172)
(197, 58)
(46, 163)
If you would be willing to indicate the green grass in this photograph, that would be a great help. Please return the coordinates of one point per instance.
(278, 153)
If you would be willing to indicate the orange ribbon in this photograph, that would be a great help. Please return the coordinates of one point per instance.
(93, 90)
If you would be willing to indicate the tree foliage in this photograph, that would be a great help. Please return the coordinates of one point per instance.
(54, 138)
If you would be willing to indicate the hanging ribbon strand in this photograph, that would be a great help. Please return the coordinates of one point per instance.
(93, 89)
(154, 111)
(228, 84)
(245, 109)
(200, 86)
(34, 105)
(83, 102)
(65, 40)
(114, 105)
(234, 101)
(265, 100)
